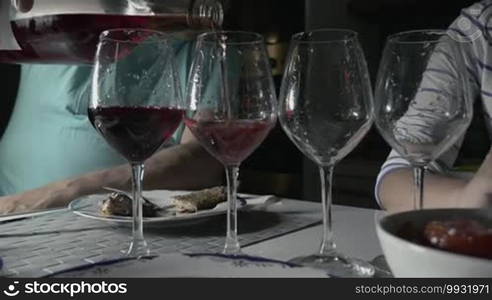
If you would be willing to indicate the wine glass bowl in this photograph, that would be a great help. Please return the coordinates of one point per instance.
(422, 100)
(326, 109)
(136, 104)
(231, 105)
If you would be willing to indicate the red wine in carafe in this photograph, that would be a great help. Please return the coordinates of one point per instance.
(72, 38)
(67, 31)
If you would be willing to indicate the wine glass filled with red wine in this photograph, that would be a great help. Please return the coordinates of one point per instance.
(136, 104)
(231, 105)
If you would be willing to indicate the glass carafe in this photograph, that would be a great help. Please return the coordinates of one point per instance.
(67, 31)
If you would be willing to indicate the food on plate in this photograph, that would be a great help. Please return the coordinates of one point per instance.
(462, 236)
(204, 199)
(118, 204)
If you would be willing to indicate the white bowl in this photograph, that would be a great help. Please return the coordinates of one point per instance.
(409, 259)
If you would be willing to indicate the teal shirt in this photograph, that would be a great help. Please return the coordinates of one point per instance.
(49, 136)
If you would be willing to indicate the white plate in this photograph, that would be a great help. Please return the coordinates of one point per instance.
(90, 207)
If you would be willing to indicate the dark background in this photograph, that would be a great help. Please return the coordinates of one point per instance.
(277, 166)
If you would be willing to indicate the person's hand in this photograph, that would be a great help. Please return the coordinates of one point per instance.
(57, 194)
(478, 191)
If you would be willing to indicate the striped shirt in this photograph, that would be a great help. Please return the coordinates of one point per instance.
(475, 25)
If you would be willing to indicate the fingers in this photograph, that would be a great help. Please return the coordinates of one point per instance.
(21, 203)
(9, 205)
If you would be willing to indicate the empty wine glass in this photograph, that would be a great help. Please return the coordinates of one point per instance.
(422, 98)
(231, 105)
(326, 109)
(136, 104)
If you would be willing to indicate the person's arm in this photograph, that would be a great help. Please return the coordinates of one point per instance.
(440, 191)
(185, 166)
(397, 188)
(394, 188)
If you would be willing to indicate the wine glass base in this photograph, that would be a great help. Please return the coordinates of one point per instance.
(336, 265)
(139, 249)
(232, 249)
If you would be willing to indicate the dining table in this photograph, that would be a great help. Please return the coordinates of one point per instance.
(63, 242)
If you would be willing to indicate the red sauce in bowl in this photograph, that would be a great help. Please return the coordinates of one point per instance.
(463, 236)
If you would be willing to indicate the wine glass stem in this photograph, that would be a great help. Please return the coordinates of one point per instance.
(418, 194)
(232, 243)
(327, 243)
(138, 246)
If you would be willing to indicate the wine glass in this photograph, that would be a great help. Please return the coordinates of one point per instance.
(231, 105)
(422, 98)
(326, 109)
(136, 104)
